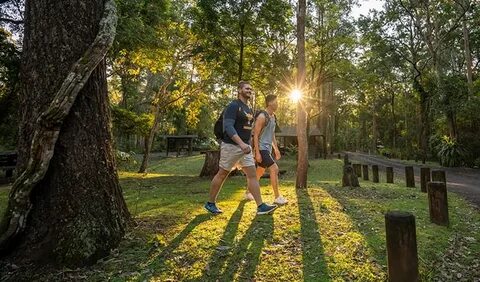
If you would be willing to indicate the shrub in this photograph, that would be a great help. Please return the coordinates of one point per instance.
(450, 152)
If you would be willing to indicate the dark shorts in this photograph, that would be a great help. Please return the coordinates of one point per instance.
(267, 159)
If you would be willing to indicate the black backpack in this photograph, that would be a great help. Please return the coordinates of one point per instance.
(218, 127)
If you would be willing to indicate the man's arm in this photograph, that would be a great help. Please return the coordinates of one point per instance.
(257, 130)
(275, 148)
(229, 117)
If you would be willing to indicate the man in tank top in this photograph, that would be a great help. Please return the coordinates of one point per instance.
(265, 144)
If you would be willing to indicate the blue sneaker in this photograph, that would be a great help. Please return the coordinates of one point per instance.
(212, 208)
(266, 208)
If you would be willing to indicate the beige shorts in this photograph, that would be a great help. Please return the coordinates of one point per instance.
(232, 156)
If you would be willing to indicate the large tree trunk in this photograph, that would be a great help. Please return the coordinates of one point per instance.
(302, 165)
(76, 212)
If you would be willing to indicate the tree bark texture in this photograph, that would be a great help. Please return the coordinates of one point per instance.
(210, 166)
(66, 206)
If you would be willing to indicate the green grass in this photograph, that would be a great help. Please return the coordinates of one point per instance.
(325, 233)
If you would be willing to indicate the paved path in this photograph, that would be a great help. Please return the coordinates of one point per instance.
(463, 181)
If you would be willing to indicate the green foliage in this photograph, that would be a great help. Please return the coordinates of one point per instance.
(130, 123)
(450, 152)
(9, 97)
(125, 160)
(291, 150)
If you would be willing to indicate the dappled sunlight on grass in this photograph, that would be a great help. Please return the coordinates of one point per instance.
(324, 233)
(368, 205)
(345, 248)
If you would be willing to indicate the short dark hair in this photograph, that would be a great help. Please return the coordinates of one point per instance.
(242, 83)
(269, 99)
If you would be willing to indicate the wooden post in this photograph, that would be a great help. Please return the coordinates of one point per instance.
(439, 175)
(389, 174)
(375, 173)
(358, 169)
(210, 166)
(349, 179)
(339, 156)
(409, 176)
(424, 178)
(401, 246)
(365, 172)
(437, 203)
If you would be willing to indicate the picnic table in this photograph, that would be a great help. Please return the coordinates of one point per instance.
(179, 143)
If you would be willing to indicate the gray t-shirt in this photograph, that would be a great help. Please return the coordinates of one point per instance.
(267, 134)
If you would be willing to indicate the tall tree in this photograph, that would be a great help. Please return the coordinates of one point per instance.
(302, 165)
(66, 203)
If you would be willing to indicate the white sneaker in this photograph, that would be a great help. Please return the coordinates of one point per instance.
(280, 201)
(248, 196)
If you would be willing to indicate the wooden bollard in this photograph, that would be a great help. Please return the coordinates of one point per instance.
(349, 178)
(365, 172)
(401, 246)
(375, 174)
(409, 176)
(358, 169)
(424, 178)
(439, 175)
(389, 174)
(339, 156)
(438, 203)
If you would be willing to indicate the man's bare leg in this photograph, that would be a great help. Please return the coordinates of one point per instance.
(252, 183)
(260, 172)
(217, 183)
(274, 179)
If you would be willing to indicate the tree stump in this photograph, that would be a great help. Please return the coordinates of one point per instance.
(210, 166)
(358, 169)
(424, 178)
(401, 246)
(389, 171)
(409, 176)
(349, 179)
(375, 179)
(437, 203)
(439, 175)
(365, 172)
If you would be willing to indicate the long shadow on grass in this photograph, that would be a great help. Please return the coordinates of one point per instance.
(244, 258)
(357, 213)
(161, 258)
(162, 194)
(314, 264)
(218, 259)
